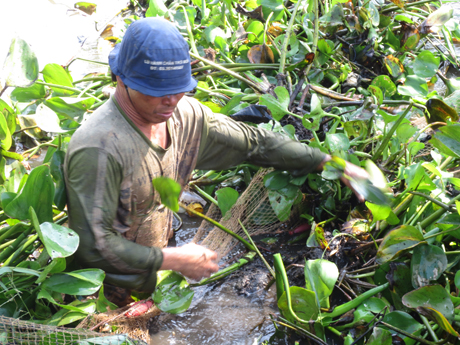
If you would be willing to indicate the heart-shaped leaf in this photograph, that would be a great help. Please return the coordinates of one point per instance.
(58, 240)
(427, 264)
(82, 282)
(434, 302)
(426, 64)
(320, 277)
(37, 193)
(277, 107)
(169, 191)
(21, 64)
(172, 294)
(436, 20)
(404, 322)
(380, 336)
(276, 180)
(226, 198)
(397, 241)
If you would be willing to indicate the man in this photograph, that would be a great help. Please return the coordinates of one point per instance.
(149, 129)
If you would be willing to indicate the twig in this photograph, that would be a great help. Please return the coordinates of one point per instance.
(257, 250)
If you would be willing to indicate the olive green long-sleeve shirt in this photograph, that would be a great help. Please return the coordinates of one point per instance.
(109, 167)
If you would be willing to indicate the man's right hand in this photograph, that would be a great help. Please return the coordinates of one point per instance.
(191, 260)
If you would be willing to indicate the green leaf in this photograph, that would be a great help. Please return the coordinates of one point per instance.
(59, 241)
(426, 64)
(56, 74)
(57, 172)
(212, 32)
(303, 304)
(414, 86)
(8, 270)
(397, 241)
(417, 178)
(231, 104)
(436, 20)
(256, 31)
(440, 111)
(82, 282)
(380, 336)
(28, 94)
(226, 198)
(87, 7)
(374, 15)
(336, 142)
(434, 302)
(276, 180)
(320, 277)
(446, 140)
(427, 264)
(277, 107)
(21, 64)
(70, 108)
(457, 279)
(385, 84)
(316, 114)
(169, 191)
(275, 6)
(281, 204)
(366, 312)
(5, 135)
(172, 294)
(156, 8)
(48, 120)
(103, 305)
(404, 322)
(38, 193)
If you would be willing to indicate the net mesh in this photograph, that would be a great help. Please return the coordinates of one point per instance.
(255, 212)
(14, 331)
(135, 327)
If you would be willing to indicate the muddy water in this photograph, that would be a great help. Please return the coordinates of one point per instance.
(234, 311)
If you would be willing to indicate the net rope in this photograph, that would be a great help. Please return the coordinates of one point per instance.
(15, 331)
(253, 209)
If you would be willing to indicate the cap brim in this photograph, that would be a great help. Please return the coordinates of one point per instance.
(155, 92)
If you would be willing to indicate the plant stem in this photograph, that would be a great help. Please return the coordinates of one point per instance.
(407, 334)
(428, 327)
(228, 270)
(342, 309)
(220, 226)
(204, 194)
(257, 250)
(21, 249)
(388, 136)
(302, 331)
(364, 275)
(227, 71)
(68, 88)
(286, 38)
(434, 201)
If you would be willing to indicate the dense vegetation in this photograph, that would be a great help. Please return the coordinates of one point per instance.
(346, 77)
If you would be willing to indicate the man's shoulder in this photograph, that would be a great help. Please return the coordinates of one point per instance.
(102, 129)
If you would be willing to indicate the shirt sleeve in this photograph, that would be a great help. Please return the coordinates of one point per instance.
(93, 179)
(226, 143)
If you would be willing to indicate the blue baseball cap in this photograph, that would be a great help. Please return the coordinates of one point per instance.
(153, 59)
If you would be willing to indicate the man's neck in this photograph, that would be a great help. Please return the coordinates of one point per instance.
(156, 133)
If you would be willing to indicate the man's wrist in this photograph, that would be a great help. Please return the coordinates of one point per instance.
(320, 166)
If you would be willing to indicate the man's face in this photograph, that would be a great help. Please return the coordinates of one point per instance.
(154, 109)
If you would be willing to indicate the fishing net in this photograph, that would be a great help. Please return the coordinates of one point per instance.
(135, 327)
(255, 212)
(14, 331)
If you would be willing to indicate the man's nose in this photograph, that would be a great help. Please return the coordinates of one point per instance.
(172, 100)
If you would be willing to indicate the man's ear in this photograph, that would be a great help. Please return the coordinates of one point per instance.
(119, 81)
